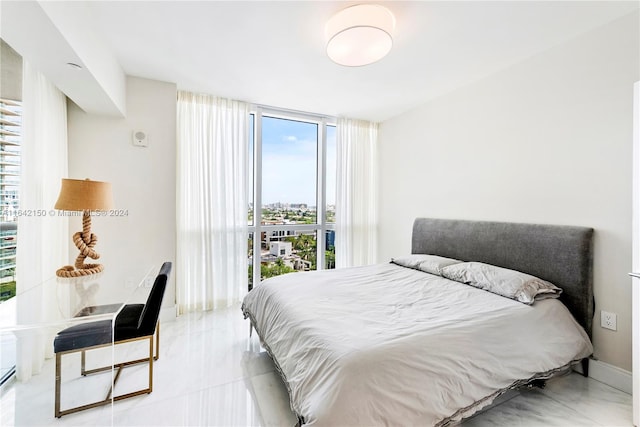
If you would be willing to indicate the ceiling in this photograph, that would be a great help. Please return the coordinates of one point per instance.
(272, 53)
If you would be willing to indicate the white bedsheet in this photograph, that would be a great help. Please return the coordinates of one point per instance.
(388, 345)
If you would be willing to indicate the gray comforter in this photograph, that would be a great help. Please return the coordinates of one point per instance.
(388, 345)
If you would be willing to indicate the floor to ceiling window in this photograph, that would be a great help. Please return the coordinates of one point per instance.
(10, 122)
(10, 160)
(10, 130)
(292, 169)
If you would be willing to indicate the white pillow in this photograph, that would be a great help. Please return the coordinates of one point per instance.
(432, 264)
(502, 281)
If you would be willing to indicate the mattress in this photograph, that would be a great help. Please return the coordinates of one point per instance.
(389, 345)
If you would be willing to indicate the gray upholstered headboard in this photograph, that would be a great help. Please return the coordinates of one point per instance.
(562, 255)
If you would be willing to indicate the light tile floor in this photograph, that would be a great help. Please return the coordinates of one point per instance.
(211, 373)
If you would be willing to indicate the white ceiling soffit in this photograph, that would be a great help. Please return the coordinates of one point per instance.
(51, 34)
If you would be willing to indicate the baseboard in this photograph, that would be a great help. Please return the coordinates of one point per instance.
(611, 375)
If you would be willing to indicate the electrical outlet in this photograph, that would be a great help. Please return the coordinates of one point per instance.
(609, 320)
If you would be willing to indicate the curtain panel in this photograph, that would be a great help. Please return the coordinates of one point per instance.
(211, 268)
(356, 193)
(43, 241)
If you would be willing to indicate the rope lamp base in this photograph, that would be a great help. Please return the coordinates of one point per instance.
(71, 271)
(84, 241)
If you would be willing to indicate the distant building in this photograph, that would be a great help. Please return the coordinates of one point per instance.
(8, 242)
(276, 235)
(10, 143)
(301, 265)
(268, 258)
(280, 249)
(329, 238)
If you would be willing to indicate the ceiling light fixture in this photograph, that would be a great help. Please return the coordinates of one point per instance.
(360, 35)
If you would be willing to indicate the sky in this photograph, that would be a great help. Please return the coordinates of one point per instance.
(289, 162)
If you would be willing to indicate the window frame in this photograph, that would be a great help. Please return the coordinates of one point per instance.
(256, 227)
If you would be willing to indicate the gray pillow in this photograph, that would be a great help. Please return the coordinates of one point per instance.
(502, 281)
(432, 264)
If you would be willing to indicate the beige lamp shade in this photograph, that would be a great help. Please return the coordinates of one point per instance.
(80, 195)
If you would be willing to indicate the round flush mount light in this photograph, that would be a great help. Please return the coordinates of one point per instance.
(360, 35)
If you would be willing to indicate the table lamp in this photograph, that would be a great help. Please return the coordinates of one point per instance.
(86, 196)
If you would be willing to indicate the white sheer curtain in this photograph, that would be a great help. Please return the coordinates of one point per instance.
(43, 240)
(213, 147)
(356, 193)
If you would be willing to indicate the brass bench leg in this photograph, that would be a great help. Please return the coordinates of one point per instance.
(58, 373)
(59, 413)
(151, 361)
(157, 341)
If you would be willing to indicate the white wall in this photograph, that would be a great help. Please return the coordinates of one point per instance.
(143, 179)
(548, 140)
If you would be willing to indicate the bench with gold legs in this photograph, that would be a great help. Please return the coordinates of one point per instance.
(135, 322)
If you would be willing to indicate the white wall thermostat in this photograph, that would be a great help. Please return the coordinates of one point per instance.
(140, 138)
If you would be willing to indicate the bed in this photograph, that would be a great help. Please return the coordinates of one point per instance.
(391, 344)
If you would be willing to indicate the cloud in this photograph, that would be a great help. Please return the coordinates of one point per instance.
(290, 162)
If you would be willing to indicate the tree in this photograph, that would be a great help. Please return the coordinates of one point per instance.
(275, 269)
(330, 257)
(305, 246)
